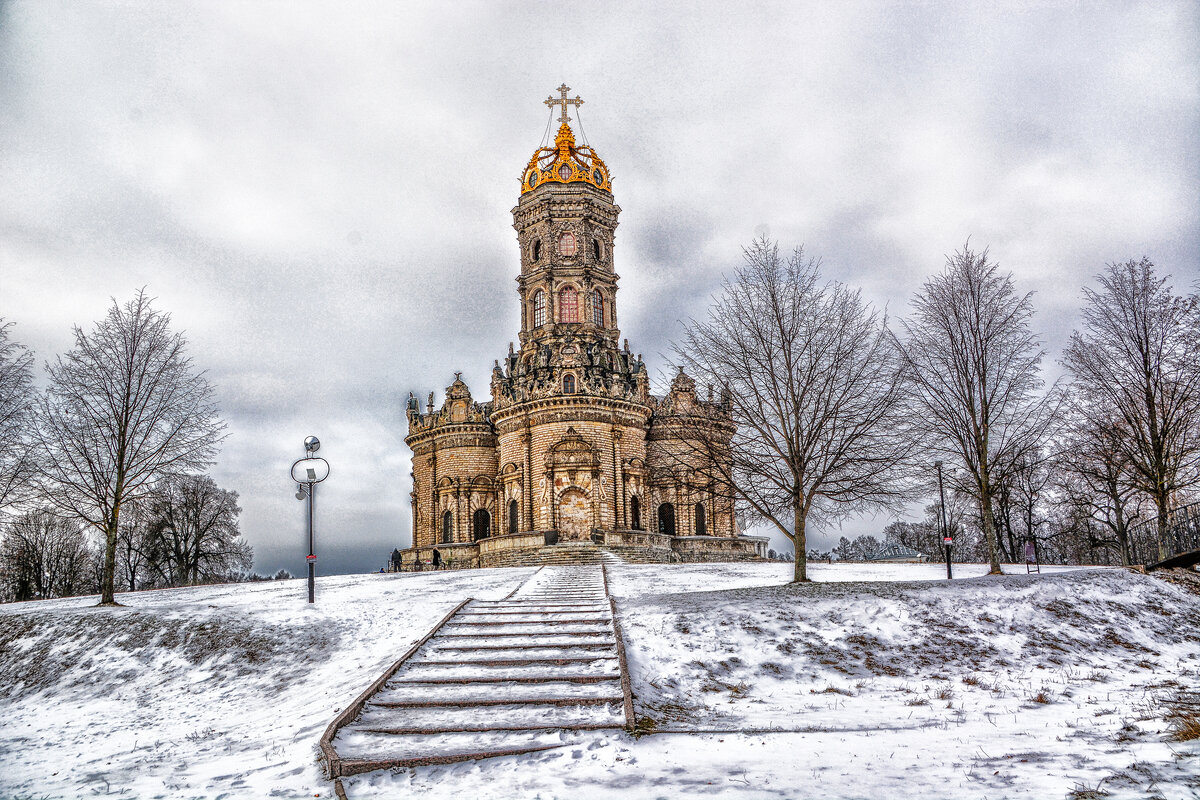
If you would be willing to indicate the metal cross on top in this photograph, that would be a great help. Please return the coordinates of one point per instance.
(564, 102)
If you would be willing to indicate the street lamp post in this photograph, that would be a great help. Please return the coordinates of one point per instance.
(307, 472)
(947, 540)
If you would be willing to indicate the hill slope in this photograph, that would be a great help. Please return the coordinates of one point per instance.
(1039, 686)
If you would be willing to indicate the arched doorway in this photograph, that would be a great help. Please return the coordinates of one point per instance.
(666, 519)
(513, 516)
(701, 526)
(481, 523)
(448, 527)
(635, 513)
(574, 516)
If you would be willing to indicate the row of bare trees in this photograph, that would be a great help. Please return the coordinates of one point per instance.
(840, 413)
(112, 450)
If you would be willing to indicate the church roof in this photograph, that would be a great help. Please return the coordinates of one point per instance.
(566, 161)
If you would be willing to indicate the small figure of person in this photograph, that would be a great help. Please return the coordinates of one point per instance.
(437, 558)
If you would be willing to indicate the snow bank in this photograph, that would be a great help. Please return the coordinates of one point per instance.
(848, 688)
(204, 692)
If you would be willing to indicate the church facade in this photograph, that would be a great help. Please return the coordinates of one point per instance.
(572, 452)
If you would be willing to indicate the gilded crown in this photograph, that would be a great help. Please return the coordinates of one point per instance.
(566, 161)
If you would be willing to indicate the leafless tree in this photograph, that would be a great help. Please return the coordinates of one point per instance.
(1092, 471)
(16, 411)
(135, 541)
(815, 388)
(44, 555)
(194, 531)
(1136, 358)
(123, 409)
(974, 369)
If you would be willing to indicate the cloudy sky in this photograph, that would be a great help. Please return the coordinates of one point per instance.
(319, 193)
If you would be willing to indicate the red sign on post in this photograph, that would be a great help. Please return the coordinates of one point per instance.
(310, 558)
(947, 541)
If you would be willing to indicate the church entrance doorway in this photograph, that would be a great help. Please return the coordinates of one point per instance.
(574, 516)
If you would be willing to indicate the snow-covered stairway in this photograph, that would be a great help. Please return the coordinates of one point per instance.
(501, 677)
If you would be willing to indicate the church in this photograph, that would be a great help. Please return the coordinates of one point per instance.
(572, 456)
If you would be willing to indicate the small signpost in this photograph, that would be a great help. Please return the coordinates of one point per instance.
(1031, 560)
(948, 541)
(307, 472)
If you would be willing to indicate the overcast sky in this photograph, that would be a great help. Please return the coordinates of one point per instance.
(320, 193)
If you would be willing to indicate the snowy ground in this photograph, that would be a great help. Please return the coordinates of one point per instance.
(877, 681)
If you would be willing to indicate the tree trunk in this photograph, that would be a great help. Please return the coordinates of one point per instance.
(989, 530)
(108, 578)
(800, 575)
(1162, 503)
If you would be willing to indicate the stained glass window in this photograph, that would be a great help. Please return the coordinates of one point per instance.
(564, 172)
(597, 307)
(539, 309)
(568, 306)
(566, 244)
(568, 384)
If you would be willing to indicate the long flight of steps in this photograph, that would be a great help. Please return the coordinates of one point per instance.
(531, 672)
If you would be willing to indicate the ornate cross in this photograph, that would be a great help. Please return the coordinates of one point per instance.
(564, 102)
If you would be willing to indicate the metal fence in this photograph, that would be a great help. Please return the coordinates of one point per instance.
(1182, 536)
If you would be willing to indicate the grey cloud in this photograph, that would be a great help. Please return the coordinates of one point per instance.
(320, 195)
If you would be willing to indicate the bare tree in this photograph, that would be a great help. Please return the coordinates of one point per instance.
(123, 409)
(1137, 358)
(44, 555)
(195, 531)
(974, 365)
(134, 544)
(815, 388)
(16, 422)
(1092, 472)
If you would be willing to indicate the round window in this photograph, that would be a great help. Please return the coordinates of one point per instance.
(564, 172)
(532, 179)
(598, 177)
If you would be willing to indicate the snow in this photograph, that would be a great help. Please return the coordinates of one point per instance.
(878, 680)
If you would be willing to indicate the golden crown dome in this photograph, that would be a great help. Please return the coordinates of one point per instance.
(566, 162)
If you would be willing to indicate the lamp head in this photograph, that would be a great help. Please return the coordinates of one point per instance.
(312, 444)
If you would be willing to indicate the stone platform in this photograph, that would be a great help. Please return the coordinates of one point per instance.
(538, 548)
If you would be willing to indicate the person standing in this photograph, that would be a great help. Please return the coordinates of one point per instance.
(437, 558)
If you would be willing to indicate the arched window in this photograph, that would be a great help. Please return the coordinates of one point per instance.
(513, 511)
(539, 308)
(448, 527)
(537, 250)
(481, 522)
(597, 307)
(666, 519)
(701, 527)
(596, 251)
(635, 513)
(568, 384)
(566, 244)
(568, 305)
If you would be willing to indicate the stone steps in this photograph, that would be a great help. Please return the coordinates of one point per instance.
(536, 670)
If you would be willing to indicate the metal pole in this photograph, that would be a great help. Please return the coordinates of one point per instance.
(942, 521)
(312, 564)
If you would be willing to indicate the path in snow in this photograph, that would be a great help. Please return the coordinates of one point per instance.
(496, 677)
